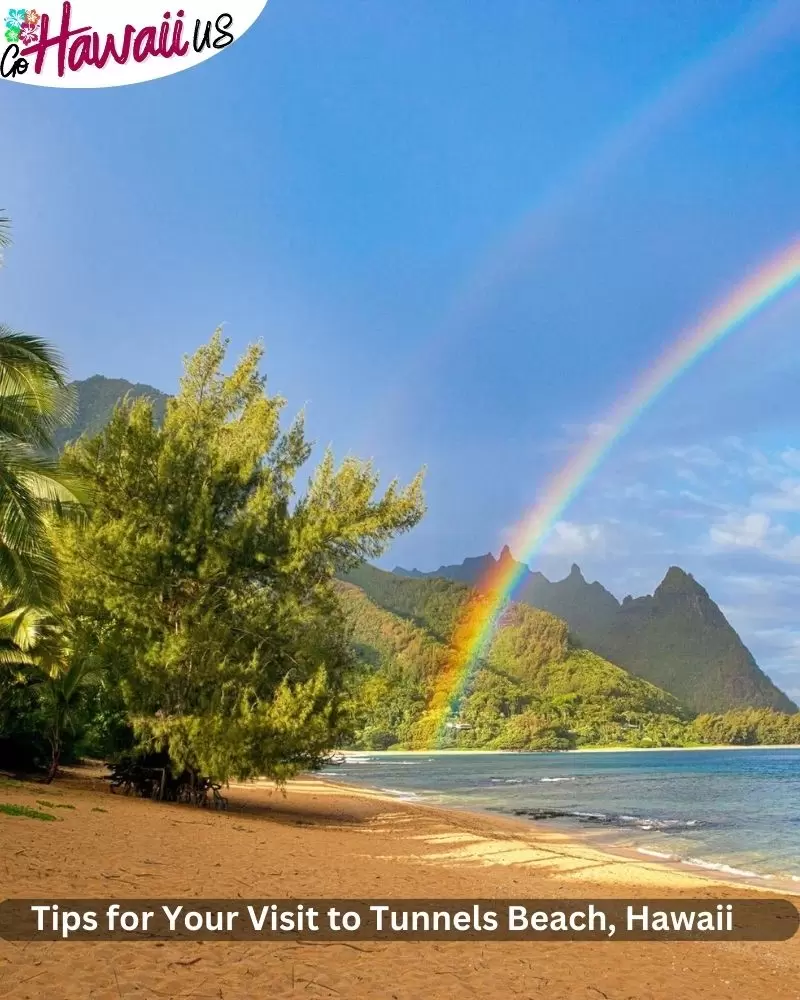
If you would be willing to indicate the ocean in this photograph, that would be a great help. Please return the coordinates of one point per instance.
(736, 812)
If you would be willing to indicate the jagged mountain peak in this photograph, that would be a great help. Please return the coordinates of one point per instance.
(677, 638)
(678, 581)
(401, 571)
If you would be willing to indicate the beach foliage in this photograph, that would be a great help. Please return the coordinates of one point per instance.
(34, 488)
(211, 573)
(49, 676)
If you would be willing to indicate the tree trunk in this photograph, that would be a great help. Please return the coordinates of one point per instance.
(53, 768)
(55, 757)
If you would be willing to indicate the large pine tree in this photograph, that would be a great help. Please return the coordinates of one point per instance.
(215, 577)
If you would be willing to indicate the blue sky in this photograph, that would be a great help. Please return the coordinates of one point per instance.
(461, 230)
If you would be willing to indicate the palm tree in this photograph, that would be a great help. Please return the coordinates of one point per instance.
(34, 401)
(38, 649)
(63, 678)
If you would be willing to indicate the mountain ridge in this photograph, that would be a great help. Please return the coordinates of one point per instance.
(533, 689)
(676, 637)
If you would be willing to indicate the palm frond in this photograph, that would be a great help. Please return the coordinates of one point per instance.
(23, 418)
(33, 577)
(34, 400)
(28, 355)
(23, 625)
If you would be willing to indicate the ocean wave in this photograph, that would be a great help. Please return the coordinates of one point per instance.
(572, 778)
(657, 854)
(404, 796)
(714, 866)
(719, 866)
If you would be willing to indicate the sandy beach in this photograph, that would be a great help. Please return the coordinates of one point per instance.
(321, 840)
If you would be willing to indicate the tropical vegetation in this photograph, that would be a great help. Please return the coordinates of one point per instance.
(536, 688)
(170, 591)
(676, 638)
(191, 612)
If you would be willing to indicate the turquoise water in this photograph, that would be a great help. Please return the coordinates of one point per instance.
(732, 811)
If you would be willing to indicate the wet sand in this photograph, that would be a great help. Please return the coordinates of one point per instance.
(321, 840)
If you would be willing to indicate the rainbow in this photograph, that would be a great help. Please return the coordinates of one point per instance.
(473, 633)
(757, 34)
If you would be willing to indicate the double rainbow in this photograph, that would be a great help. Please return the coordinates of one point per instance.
(474, 632)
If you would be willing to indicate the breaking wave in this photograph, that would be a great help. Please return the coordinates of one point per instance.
(403, 796)
(714, 866)
(718, 866)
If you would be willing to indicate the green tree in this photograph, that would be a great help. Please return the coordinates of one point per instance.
(61, 698)
(529, 731)
(214, 579)
(53, 684)
(34, 489)
(20, 741)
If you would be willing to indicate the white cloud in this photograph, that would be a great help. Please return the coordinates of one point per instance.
(736, 531)
(755, 532)
(785, 497)
(570, 539)
(697, 454)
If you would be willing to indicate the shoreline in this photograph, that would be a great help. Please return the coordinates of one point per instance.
(470, 751)
(601, 838)
(317, 839)
(570, 837)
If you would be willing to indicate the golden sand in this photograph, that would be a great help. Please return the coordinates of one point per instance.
(320, 840)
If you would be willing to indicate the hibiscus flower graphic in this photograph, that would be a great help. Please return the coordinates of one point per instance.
(28, 34)
(15, 19)
(12, 35)
(33, 18)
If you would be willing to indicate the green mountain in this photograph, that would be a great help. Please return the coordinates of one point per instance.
(535, 689)
(677, 638)
(96, 398)
(586, 607)
(680, 639)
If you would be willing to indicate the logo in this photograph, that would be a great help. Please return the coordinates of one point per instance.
(94, 43)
